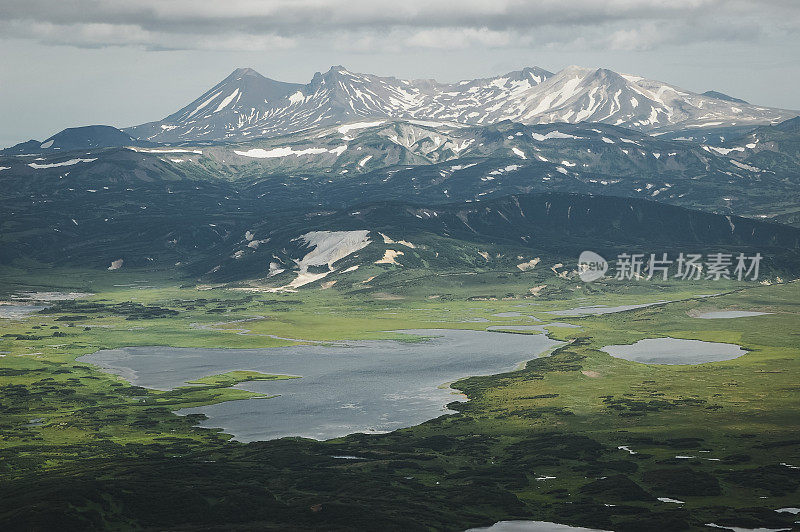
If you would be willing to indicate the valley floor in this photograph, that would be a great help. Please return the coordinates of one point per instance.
(576, 437)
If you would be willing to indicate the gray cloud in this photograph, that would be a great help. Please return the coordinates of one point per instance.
(379, 24)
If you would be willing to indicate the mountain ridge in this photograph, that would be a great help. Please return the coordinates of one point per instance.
(247, 105)
(77, 138)
(333, 166)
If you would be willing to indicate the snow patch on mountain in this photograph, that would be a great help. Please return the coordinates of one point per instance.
(63, 163)
(360, 125)
(723, 151)
(328, 248)
(247, 105)
(224, 103)
(164, 150)
(553, 135)
(260, 153)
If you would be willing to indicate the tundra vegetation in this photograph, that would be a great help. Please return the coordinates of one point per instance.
(575, 436)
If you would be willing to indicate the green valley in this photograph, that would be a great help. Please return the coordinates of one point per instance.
(577, 436)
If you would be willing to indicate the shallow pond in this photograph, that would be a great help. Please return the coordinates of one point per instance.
(15, 311)
(675, 351)
(725, 314)
(24, 304)
(514, 315)
(365, 386)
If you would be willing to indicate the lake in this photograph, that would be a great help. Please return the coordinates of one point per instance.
(362, 386)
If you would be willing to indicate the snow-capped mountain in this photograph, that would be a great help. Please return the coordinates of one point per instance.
(247, 105)
(221, 112)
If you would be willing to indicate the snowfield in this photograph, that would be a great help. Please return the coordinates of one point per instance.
(359, 125)
(332, 246)
(260, 153)
(529, 96)
(328, 248)
(64, 163)
(553, 135)
(163, 150)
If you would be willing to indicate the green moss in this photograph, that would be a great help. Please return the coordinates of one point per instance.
(231, 378)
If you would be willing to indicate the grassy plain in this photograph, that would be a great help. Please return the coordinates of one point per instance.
(576, 437)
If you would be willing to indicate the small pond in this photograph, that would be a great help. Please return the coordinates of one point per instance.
(675, 351)
(514, 315)
(18, 311)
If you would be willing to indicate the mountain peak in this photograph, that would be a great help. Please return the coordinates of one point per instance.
(334, 72)
(242, 73)
(532, 73)
(247, 105)
(535, 70)
(722, 96)
(338, 71)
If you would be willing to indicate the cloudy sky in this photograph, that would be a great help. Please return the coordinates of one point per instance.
(123, 62)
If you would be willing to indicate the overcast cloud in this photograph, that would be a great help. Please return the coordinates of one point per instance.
(446, 39)
(266, 25)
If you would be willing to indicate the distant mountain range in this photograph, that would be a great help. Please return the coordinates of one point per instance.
(497, 234)
(275, 161)
(138, 208)
(247, 105)
(331, 167)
